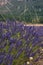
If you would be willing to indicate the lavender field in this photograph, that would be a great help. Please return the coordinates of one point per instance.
(20, 44)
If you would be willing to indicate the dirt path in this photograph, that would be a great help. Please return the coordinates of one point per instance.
(41, 62)
(33, 24)
(30, 24)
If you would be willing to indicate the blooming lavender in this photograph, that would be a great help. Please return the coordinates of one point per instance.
(19, 43)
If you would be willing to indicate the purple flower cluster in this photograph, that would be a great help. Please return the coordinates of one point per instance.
(18, 43)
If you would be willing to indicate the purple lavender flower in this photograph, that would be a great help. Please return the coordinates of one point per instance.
(18, 43)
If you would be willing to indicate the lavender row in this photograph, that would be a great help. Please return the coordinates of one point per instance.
(18, 43)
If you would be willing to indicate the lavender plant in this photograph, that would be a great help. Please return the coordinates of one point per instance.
(19, 43)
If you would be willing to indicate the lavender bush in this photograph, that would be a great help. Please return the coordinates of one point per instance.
(18, 43)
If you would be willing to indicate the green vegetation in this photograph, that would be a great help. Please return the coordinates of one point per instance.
(26, 18)
(32, 13)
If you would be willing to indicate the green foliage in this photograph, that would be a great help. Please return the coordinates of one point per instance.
(41, 19)
(25, 17)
